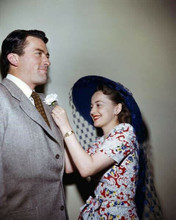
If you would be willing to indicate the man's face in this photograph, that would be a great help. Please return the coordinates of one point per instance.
(33, 64)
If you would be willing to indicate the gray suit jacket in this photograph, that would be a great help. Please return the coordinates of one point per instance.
(31, 160)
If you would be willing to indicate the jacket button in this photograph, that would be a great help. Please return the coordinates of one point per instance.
(62, 207)
(57, 156)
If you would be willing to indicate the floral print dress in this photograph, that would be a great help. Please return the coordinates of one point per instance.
(115, 192)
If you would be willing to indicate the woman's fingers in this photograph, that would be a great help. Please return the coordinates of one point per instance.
(59, 115)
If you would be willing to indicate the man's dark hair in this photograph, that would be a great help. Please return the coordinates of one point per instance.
(15, 42)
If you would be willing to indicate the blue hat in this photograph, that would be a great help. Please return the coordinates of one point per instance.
(85, 87)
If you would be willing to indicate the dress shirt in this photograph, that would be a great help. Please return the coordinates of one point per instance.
(22, 85)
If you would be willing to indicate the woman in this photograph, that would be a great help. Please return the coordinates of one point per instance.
(112, 160)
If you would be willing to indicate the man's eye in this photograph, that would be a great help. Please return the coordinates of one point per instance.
(39, 53)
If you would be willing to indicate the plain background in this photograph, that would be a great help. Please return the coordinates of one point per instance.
(129, 41)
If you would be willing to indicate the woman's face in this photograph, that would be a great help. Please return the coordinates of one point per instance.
(104, 112)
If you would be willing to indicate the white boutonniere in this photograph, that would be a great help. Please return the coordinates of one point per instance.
(51, 99)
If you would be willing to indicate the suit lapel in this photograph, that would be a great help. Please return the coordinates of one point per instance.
(48, 110)
(30, 109)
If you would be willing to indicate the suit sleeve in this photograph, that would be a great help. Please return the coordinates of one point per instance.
(2, 185)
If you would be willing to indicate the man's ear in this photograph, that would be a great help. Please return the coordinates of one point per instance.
(13, 59)
(118, 109)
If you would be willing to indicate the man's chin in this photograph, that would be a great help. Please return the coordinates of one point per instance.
(42, 82)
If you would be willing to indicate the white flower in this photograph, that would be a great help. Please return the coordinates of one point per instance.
(51, 99)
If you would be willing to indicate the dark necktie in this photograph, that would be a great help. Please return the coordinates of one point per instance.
(39, 106)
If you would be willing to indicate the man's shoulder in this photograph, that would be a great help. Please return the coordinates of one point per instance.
(5, 93)
(4, 84)
(3, 89)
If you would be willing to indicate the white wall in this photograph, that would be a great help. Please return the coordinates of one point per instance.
(133, 42)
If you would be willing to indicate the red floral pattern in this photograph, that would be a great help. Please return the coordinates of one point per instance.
(115, 192)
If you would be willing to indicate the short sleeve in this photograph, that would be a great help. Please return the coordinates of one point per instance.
(120, 143)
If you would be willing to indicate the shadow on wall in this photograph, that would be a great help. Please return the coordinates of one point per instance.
(147, 201)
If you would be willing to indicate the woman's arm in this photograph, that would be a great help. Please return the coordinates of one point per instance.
(69, 167)
(87, 165)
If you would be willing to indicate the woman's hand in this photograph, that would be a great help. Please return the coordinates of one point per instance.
(87, 165)
(60, 117)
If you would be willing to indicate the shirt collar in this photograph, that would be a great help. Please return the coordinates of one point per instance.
(22, 85)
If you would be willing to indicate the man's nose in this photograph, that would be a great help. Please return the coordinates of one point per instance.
(47, 61)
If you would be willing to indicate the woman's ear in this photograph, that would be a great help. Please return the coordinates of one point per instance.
(118, 109)
(13, 59)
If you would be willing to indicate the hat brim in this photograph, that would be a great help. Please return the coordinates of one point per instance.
(86, 86)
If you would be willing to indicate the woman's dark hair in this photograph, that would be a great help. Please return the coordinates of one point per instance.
(15, 42)
(124, 116)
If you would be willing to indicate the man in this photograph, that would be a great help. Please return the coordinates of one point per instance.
(31, 151)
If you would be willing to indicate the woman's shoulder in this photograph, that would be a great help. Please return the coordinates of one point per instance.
(120, 133)
(122, 136)
(123, 127)
(123, 132)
